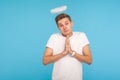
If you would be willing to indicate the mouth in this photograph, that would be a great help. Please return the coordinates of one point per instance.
(66, 31)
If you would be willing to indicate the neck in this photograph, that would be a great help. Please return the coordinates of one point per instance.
(70, 34)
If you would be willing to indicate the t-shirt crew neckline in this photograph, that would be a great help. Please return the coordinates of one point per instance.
(70, 36)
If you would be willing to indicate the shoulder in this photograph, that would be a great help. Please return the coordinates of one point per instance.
(54, 35)
(79, 33)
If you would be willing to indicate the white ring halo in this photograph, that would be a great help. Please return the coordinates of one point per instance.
(58, 9)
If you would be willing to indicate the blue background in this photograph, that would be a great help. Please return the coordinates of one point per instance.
(25, 26)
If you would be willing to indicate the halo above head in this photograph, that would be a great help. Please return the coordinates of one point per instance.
(58, 9)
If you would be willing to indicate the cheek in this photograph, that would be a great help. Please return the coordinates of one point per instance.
(69, 27)
(60, 28)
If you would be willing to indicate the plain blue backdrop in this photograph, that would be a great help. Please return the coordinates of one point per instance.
(25, 26)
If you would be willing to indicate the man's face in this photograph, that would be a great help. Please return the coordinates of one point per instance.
(65, 26)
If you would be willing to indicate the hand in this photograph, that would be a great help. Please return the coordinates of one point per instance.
(68, 49)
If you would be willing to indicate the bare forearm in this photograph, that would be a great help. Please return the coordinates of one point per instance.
(82, 58)
(52, 58)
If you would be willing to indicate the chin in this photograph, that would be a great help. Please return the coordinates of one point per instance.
(66, 33)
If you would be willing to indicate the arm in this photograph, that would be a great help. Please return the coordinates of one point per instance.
(86, 57)
(49, 57)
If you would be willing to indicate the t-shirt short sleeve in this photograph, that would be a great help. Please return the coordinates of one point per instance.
(50, 42)
(85, 40)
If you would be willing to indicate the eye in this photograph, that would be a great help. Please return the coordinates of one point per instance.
(66, 23)
(60, 25)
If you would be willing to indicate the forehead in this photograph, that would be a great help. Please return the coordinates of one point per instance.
(63, 20)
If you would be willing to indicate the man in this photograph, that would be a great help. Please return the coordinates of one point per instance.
(67, 50)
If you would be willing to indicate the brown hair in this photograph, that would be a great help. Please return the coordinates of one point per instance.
(61, 16)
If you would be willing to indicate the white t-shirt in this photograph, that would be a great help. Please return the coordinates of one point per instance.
(67, 68)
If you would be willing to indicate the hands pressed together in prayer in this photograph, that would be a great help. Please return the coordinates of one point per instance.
(67, 49)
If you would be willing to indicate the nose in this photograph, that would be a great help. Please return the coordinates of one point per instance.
(64, 27)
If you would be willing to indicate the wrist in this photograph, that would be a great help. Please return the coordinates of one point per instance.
(64, 52)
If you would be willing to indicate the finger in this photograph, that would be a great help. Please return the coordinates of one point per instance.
(67, 40)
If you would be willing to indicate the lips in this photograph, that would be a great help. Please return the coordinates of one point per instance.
(66, 31)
